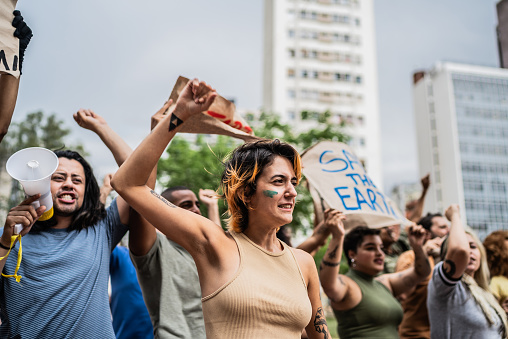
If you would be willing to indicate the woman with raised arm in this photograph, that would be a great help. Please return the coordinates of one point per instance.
(459, 301)
(254, 286)
(364, 303)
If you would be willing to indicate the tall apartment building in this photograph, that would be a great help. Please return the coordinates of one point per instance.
(461, 114)
(502, 32)
(320, 55)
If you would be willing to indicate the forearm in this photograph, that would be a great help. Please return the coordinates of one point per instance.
(114, 143)
(142, 234)
(213, 213)
(421, 264)
(136, 170)
(314, 242)
(330, 265)
(9, 86)
(457, 256)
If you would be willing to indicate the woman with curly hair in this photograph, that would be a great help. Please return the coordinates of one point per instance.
(254, 286)
(496, 246)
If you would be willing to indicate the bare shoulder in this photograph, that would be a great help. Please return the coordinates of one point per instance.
(304, 259)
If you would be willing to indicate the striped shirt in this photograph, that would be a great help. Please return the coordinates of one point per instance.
(64, 289)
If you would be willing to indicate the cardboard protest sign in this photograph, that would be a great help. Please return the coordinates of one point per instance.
(9, 44)
(338, 176)
(221, 117)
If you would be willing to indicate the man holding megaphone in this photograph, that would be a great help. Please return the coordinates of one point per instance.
(63, 292)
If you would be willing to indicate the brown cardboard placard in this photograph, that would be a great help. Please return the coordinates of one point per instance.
(221, 117)
(9, 44)
(337, 174)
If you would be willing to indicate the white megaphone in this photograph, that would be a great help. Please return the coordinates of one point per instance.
(33, 168)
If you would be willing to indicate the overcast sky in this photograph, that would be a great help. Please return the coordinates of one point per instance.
(121, 58)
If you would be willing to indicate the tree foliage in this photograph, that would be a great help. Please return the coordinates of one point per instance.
(199, 165)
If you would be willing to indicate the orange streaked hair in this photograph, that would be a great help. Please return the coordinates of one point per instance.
(241, 171)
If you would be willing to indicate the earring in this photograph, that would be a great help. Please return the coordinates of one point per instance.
(353, 262)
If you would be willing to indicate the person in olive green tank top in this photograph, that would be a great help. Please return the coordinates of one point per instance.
(364, 303)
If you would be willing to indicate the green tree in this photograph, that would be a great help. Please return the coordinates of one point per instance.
(199, 165)
(36, 130)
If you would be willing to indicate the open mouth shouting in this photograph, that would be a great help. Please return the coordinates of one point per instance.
(67, 197)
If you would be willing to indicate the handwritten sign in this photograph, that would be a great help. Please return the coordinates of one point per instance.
(9, 44)
(221, 118)
(337, 174)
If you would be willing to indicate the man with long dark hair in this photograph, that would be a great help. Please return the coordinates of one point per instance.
(65, 267)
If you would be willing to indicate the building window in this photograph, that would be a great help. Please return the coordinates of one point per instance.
(291, 93)
(291, 33)
(291, 53)
(291, 73)
(358, 80)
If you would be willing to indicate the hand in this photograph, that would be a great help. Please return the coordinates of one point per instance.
(195, 98)
(433, 246)
(208, 197)
(425, 181)
(160, 114)
(416, 235)
(452, 211)
(333, 221)
(88, 119)
(24, 214)
(23, 33)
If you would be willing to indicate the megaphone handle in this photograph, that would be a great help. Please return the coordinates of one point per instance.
(19, 227)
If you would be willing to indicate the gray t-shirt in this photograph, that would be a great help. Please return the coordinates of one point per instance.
(453, 313)
(169, 281)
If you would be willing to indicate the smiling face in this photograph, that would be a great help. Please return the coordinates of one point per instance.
(474, 256)
(369, 257)
(275, 196)
(68, 187)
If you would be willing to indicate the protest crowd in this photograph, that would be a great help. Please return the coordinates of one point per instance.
(183, 276)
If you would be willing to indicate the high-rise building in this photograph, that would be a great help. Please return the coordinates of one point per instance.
(461, 114)
(320, 55)
(502, 32)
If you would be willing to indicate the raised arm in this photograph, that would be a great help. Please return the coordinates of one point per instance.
(457, 256)
(188, 229)
(335, 286)
(9, 84)
(415, 211)
(210, 199)
(142, 234)
(90, 120)
(402, 282)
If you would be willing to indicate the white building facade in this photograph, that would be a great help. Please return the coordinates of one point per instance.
(320, 55)
(461, 114)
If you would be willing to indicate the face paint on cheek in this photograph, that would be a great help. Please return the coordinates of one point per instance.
(269, 193)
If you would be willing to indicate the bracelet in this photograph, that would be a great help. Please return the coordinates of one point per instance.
(4, 247)
(332, 264)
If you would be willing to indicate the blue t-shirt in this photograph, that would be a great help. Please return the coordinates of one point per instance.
(64, 289)
(130, 316)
